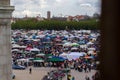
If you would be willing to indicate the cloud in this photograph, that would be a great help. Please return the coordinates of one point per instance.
(65, 7)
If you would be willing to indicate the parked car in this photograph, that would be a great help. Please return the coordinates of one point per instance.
(18, 67)
(13, 76)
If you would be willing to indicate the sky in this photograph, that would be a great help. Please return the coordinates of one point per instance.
(34, 8)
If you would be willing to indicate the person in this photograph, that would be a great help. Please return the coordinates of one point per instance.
(69, 77)
(87, 78)
(30, 70)
(73, 78)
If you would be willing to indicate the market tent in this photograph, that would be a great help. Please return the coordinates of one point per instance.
(88, 57)
(15, 46)
(55, 59)
(23, 47)
(91, 49)
(90, 52)
(64, 55)
(83, 46)
(74, 44)
(90, 43)
(81, 42)
(28, 48)
(74, 48)
(48, 55)
(24, 60)
(74, 55)
(40, 54)
(34, 49)
(38, 60)
(67, 44)
(15, 50)
(13, 42)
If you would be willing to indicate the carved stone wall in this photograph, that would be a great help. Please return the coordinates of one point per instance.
(5, 40)
(4, 2)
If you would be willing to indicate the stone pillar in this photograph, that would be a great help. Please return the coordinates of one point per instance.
(5, 40)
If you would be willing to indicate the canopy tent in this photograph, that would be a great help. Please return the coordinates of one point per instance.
(91, 49)
(64, 55)
(55, 59)
(40, 54)
(67, 44)
(74, 55)
(90, 52)
(24, 60)
(81, 42)
(48, 55)
(28, 48)
(88, 57)
(13, 42)
(15, 46)
(90, 43)
(74, 48)
(34, 49)
(38, 60)
(15, 50)
(23, 47)
(74, 44)
(83, 46)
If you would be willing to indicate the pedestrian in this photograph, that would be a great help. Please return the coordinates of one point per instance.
(93, 77)
(87, 78)
(30, 70)
(73, 78)
(85, 68)
(69, 77)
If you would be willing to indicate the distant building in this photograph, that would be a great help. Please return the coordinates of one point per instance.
(48, 15)
(69, 18)
(76, 18)
(96, 15)
(59, 18)
(39, 18)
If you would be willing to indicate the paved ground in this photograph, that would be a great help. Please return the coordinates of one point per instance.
(80, 75)
(39, 73)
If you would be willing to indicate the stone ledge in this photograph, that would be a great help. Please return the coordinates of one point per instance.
(6, 11)
(7, 8)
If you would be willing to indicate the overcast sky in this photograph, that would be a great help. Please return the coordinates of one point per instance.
(57, 7)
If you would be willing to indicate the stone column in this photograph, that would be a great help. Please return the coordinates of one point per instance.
(5, 40)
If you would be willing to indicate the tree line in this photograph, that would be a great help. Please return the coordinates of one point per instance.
(55, 25)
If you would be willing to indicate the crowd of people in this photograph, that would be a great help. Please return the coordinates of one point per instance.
(75, 49)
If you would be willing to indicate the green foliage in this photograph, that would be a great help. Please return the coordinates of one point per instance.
(56, 25)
